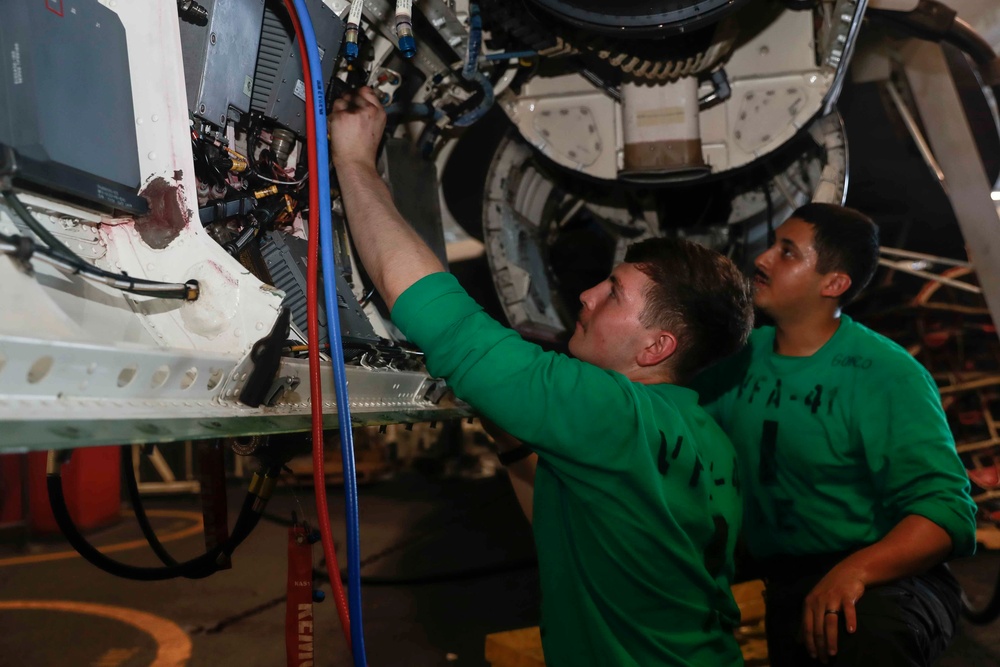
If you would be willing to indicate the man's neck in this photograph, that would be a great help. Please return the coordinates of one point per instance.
(650, 375)
(803, 336)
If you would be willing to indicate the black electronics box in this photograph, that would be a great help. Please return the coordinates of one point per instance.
(67, 124)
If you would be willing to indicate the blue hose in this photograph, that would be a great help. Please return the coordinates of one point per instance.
(472, 116)
(336, 345)
(470, 72)
(475, 42)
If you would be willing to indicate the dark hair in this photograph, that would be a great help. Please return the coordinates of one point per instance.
(697, 294)
(845, 240)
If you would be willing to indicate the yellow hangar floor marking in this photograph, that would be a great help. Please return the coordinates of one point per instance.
(173, 646)
(195, 529)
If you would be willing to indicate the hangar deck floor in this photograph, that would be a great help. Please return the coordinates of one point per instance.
(447, 562)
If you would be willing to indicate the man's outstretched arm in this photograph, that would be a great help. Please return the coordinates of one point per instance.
(521, 473)
(392, 252)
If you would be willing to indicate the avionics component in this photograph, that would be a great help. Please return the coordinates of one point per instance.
(278, 91)
(285, 257)
(66, 117)
(219, 58)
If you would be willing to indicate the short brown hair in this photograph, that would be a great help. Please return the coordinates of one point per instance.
(845, 240)
(697, 294)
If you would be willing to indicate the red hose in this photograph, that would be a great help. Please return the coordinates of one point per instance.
(312, 334)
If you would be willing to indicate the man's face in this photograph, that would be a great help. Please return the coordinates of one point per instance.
(608, 332)
(786, 278)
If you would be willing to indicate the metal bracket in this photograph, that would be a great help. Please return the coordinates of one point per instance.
(721, 90)
(279, 387)
(266, 356)
(436, 389)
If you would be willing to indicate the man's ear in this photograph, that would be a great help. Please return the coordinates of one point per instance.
(835, 284)
(661, 346)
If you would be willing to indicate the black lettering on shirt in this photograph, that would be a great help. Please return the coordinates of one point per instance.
(696, 473)
(775, 397)
(677, 447)
(831, 395)
(851, 361)
(768, 473)
(719, 481)
(815, 398)
(743, 385)
(661, 459)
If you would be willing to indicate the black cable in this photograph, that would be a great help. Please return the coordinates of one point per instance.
(39, 229)
(965, 37)
(63, 257)
(934, 21)
(196, 568)
(24, 248)
(239, 244)
(140, 512)
(367, 297)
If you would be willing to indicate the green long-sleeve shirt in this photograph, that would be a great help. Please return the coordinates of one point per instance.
(636, 507)
(837, 448)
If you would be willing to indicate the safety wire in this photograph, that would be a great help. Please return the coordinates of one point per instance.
(320, 204)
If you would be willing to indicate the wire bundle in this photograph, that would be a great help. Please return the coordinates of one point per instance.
(54, 253)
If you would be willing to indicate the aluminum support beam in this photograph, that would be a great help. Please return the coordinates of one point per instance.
(953, 145)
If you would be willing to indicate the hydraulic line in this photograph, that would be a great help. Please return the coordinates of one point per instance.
(965, 37)
(404, 28)
(132, 487)
(204, 565)
(351, 51)
(43, 234)
(24, 249)
(312, 303)
(934, 21)
(329, 265)
(471, 73)
(61, 257)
